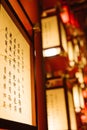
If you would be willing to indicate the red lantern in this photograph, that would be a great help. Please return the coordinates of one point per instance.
(83, 118)
(73, 20)
(65, 14)
(84, 93)
(68, 17)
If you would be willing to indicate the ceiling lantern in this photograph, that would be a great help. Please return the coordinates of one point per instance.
(76, 50)
(54, 40)
(72, 19)
(50, 36)
(79, 76)
(78, 98)
(84, 118)
(63, 37)
(84, 93)
(64, 14)
(71, 53)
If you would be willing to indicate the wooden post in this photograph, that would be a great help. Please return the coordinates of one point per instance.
(40, 87)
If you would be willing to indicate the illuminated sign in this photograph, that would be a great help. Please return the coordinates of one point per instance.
(15, 74)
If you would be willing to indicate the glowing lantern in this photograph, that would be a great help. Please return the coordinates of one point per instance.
(71, 53)
(84, 93)
(83, 118)
(79, 76)
(73, 20)
(78, 98)
(65, 14)
(54, 40)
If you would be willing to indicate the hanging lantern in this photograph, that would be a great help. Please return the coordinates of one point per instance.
(84, 118)
(84, 93)
(76, 56)
(79, 52)
(71, 53)
(63, 37)
(79, 76)
(65, 14)
(50, 36)
(72, 19)
(78, 98)
(76, 50)
(68, 17)
(81, 98)
(54, 40)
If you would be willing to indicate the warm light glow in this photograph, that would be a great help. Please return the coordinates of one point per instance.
(76, 52)
(75, 41)
(78, 109)
(84, 61)
(84, 115)
(82, 42)
(84, 93)
(72, 19)
(63, 37)
(71, 53)
(72, 63)
(76, 98)
(82, 85)
(79, 75)
(65, 14)
(81, 98)
(15, 88)
(83, 118)
(72, 112)
(51, 52)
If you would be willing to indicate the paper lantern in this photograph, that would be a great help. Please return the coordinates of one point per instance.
(65, 14)
(78, 98)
